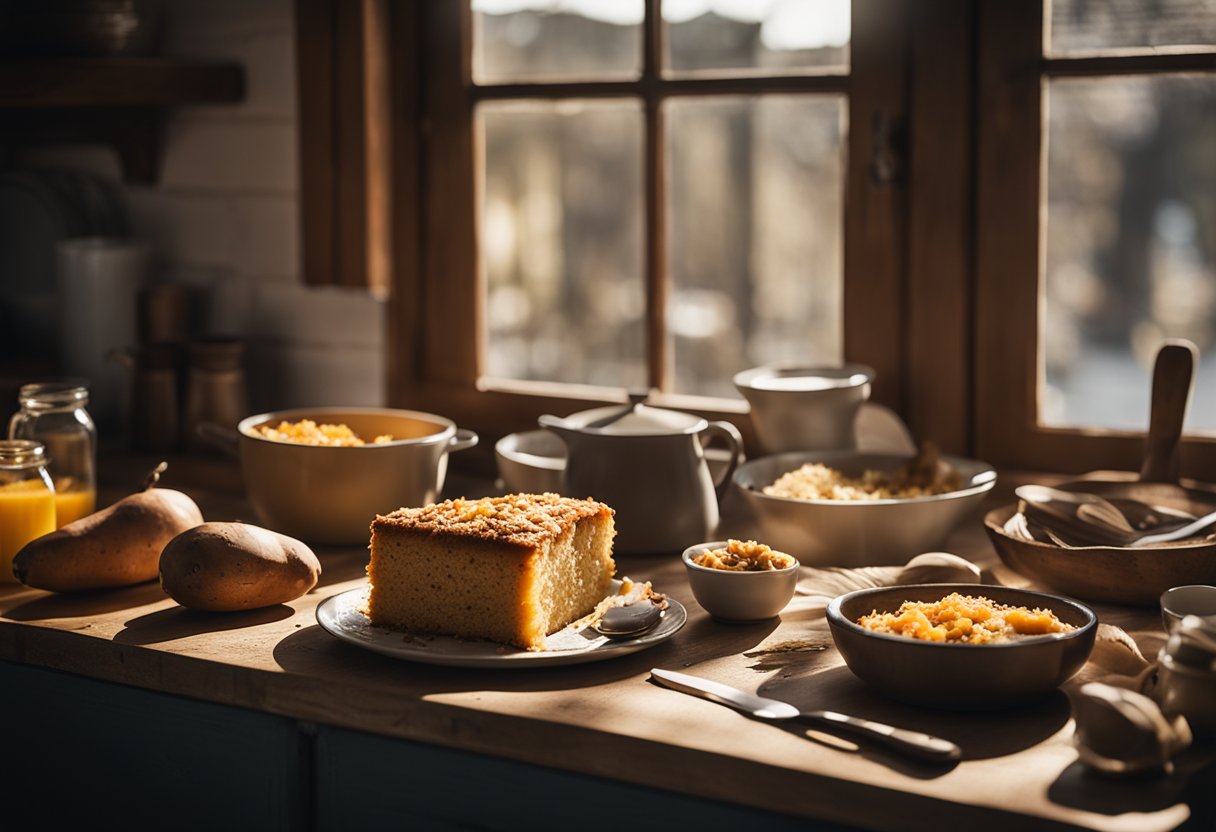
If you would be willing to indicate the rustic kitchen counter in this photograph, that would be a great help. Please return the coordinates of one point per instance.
(262, 716)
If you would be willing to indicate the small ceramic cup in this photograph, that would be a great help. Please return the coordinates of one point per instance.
(798, 407)
(531, 462)
(739, 597)
(1180, 601)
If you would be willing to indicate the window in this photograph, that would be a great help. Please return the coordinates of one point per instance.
(1097, 193)
(983, 201)
(623, 195)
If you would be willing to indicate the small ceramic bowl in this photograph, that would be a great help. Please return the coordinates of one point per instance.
(961, 676)
(1180, 601)
(531, 462)
(739, 597)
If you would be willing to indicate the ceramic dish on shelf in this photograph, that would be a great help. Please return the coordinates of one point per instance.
(342, 617)
(857, 532)
(1004, 674)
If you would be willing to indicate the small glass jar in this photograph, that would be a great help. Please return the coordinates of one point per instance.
(27, 499)
(215, 388)
(54, 414)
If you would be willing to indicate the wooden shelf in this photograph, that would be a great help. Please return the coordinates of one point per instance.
(115, 101)
(118, 82)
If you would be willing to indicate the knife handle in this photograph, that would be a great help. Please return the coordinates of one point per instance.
(924, 746)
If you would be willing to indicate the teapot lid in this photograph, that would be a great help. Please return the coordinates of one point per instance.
(643, 420)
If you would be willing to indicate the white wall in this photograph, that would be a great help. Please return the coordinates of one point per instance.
(224, 216)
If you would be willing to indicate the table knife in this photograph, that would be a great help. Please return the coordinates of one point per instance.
(913, 743)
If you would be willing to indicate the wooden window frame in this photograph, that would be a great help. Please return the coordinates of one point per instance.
(906, 305)
(344, 101)
(937, 296)
(1011, 187)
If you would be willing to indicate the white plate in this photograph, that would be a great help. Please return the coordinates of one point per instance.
(341, 616)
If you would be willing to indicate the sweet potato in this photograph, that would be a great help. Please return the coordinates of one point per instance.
(117, 546)
(221, 567)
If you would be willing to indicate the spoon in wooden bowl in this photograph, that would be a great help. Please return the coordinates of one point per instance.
(1087, 519)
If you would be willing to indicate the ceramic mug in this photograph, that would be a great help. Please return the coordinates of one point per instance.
(799, 407)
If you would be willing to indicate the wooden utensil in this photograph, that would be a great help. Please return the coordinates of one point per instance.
(1173, 379)
(1119, 574)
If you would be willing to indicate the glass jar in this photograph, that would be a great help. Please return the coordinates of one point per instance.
(27, 499)
(53, 414)
(215, 388)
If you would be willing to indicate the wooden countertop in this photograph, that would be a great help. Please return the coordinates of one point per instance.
(606, 719)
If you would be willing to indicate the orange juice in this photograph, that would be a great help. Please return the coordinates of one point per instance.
(71, 505)
(27, 511)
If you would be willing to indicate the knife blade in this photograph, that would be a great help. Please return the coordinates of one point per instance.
(913, 743)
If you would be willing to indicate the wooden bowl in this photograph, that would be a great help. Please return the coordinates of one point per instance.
(1006, 674)
(1112, 574)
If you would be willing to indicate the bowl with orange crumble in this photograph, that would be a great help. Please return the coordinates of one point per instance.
(323, 474)
(740, 581)
(962, 646)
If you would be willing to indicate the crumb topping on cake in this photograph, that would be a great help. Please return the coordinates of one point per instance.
(521, 519)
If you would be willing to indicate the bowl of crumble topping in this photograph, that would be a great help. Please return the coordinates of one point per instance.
(322, 474)
(852, 508)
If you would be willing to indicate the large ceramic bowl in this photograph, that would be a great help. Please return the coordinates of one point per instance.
(331, 494)
(961, 676)
(862, 532)
(1110, 574)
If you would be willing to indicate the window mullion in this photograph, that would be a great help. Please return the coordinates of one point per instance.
(655, 195)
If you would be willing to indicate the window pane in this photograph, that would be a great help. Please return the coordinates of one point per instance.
(1131, 243)
(562, 242)
(1088, 25)
(769, 36)
(755, 216)
(556, 40)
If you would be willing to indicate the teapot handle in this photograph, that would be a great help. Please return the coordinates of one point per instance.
(735, 442)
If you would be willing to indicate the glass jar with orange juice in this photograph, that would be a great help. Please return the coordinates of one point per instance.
(27, 499)
(54, 415)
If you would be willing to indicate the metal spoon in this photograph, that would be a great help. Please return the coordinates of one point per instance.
(1189, 530)
(629, 621)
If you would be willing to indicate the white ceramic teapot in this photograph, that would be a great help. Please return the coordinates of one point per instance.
(649, 465)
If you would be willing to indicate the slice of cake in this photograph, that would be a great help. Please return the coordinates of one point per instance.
(510, 569)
